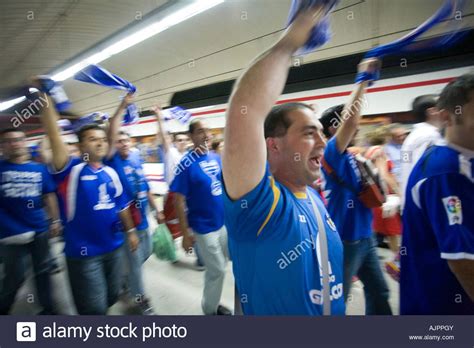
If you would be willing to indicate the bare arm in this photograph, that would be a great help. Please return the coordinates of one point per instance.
(160, 135)
(116, 122)
(49, 118)
(129, 227)
(179, 203)
(464, 272)
(352, 109)
(52, 209)
(255, 93)
(51, 205)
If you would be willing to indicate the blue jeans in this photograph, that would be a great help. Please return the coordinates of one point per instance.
(96, 281)
(14, 263)
(360, 258)
(135, 260)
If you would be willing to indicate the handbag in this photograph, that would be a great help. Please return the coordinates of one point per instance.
(371, 193)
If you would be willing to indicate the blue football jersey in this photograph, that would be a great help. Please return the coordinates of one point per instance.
(198, 178)
(22, 187)
(132, 177)
(438, 225)
(353, 219)
(92, 198)
(274, 245)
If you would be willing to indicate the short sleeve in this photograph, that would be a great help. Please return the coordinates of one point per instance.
(60, 175)
(180, 182)
(334, 158)
(247, 217)
(446, 200)
(48, 182)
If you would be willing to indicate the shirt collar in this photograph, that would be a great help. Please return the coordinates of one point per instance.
(465, 152)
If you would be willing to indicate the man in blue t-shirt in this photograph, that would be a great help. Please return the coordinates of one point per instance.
(128, 166)
(26, 191)
(197, 185)
(98, 219)
(353, 219)
(286, 252)
(437, 254)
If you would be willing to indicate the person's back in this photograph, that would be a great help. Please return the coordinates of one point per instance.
(437, 227)
(424, 134)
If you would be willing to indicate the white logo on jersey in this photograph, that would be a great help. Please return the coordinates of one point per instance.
(88, 177)
(302, 218)
(453, 207)
(212, 170)
(104, 199)
(336, 292)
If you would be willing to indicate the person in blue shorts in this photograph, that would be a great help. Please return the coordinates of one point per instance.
(286, 252)
(28, 213)
(98, 219)
(437, 253)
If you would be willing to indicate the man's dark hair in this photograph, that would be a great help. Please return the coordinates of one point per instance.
(456, 93)
(330, 117)
(81, 133)
(421, 104)
(9, 130)
(193, 125)
(278, 122)
(122, 132)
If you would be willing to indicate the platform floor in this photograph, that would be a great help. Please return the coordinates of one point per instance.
(174, 289)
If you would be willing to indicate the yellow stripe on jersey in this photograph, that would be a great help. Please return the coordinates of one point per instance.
(276, 198)
(301, 195)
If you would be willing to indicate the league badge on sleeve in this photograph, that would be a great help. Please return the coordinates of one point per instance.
(453, 207)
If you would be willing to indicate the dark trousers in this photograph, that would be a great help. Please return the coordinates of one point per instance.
(14, 259)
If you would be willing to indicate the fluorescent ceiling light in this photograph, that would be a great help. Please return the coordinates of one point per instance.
(141, 35)
(9, 103)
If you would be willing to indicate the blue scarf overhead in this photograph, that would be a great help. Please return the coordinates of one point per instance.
(55, 91)
(177, 113)
(99, 76)
(409, 42)
(321, 33)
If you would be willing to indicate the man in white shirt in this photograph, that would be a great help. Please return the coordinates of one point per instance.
(424, 134)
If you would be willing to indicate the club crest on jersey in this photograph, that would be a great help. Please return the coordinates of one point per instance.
(212, 169)
(104, 199)
(453, 207)
(330, 222)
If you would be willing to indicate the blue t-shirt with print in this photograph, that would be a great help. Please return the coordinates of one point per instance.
(438, 226)
(198, 178)
(274, 244)
(22, 187)
(92, 198)
(353, 219)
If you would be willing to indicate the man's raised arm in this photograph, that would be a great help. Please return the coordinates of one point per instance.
(49, 118)
(116, 122)
(254, 95)
(352, 109)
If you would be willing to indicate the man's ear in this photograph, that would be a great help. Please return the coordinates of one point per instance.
(445, 118)
(272, 144)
